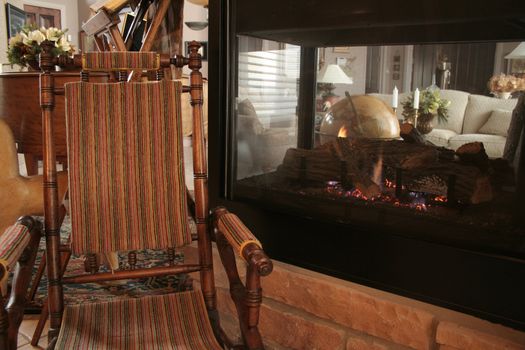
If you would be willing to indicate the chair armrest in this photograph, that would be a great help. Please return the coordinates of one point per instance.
(242, 240)
(13, 241)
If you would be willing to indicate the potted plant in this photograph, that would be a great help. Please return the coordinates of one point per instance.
(430, 105)
(25, 47)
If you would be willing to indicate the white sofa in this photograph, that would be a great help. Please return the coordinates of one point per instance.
(470, 118)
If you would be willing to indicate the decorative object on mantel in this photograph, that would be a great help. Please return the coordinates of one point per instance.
(24, 47)
(429, 105)
(327, 77)
(503, 85)
(517, 58)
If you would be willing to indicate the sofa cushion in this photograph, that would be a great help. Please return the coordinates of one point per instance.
(440, 137)
(494, 144)
(479, 109)
(456, 110)
(498, 123)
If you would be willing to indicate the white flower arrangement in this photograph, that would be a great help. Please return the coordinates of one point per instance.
(24, 47)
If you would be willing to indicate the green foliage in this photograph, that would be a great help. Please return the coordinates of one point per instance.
(430, 102)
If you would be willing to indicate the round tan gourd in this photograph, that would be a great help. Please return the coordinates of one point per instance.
(374, 119)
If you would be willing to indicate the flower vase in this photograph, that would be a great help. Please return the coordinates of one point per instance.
(503, 95)
(425, 123)
(33, 65)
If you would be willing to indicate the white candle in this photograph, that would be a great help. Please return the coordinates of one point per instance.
(395, 97)
(69, 38)
(416, 99)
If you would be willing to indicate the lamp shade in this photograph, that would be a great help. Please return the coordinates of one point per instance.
(518, 52)
(333, 74)
(199, 2)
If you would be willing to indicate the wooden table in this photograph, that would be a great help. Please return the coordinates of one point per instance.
(20, 108)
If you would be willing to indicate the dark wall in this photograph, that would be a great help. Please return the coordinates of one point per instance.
(471, 65)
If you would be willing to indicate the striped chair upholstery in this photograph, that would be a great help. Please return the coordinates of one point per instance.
(125, 155)
(236, 232)
(12, 244)
(152, 322)
(108, 61)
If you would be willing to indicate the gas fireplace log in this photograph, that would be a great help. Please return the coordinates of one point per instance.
(469, 184)
(473, 153)
(410, 134)
(395, 153)
(322, 165)
(362, 162)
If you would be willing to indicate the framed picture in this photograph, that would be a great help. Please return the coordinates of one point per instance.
(203, 50)
(16, 19)
(138, 34)
(341, 61)
(342, 49)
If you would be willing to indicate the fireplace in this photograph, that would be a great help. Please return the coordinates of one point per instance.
(311, 145)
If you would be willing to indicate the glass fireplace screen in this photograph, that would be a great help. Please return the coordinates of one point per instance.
(417, 137)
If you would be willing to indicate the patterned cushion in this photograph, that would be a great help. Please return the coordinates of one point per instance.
(236, 232)
(479, 109)
(172, 321)
(105, 61)
(12, 243)
(127, 189)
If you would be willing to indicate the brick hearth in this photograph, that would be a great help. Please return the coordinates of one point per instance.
(307, 310)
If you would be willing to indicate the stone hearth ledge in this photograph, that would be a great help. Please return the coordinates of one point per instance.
(303, 309)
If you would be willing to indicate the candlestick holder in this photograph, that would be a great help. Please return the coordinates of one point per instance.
(416, 114)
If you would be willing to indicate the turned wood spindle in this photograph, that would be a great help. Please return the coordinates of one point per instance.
(91, 263)
(171, 256)
(132, 260)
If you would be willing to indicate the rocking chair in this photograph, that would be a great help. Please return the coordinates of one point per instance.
(127, 193)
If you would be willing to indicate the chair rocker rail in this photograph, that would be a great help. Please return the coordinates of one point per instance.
(130, 274)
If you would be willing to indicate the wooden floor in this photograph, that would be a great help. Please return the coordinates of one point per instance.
(26, 331)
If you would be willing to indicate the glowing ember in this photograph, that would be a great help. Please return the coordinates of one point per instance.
(415, 200)
(343, 132)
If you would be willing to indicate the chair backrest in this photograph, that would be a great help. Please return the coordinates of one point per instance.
(125, 156)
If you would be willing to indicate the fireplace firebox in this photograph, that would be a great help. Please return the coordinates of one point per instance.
(317, 141)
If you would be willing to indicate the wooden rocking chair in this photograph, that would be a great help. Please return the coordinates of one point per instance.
(127, 192)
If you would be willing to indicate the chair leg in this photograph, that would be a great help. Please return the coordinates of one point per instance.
(4, 323)
(36, 280)
(66, 254)
(31, 164)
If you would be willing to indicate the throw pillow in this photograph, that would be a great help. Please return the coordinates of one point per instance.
(498, 123)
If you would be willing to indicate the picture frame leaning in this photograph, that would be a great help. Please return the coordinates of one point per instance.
(16, 19)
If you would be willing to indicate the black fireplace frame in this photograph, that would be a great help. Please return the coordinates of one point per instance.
(459, 277)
